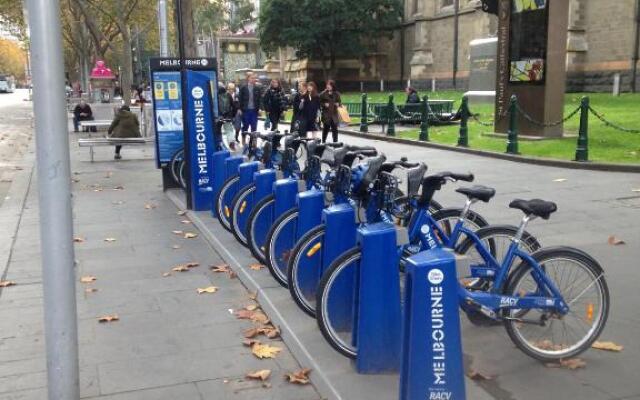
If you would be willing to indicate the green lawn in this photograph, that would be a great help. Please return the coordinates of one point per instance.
(605, 144)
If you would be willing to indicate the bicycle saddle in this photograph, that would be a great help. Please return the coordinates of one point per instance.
(391, 165)
(433, 183)
(352, 156)
(537, 207)
(361, 148)
(414, 179)
(374, 166)
(478, 192)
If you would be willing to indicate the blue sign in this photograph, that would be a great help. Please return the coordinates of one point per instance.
(167, 108)
(201, 94)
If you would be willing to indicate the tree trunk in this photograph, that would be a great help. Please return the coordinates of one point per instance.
(127, 58)
(188, 29)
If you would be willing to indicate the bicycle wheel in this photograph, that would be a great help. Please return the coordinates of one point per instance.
(239, 214)
(182, 175)
(334, 302)
(223, 201)
(260, 221)
(304, 269)
(549, 336)
(175, 166)
(279, 245)
(448, 218)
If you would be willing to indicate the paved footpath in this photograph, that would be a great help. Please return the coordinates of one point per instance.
(169, 342)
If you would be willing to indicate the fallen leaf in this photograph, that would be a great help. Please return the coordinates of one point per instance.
(256, 266)
(262, 374)
(150, 206)
(250, 342)
(265, 351)
(88, 279)
(117, 203)
(184, 267)
(220, 268)
(250, 333)
(253, 295)
(177, 232)
(608, 346)
(90, 290)
(560, 180)
(176, 247)
(185, 221)
(270, 331)
(225, 381)
(166, 274)
(78, 239)
(635, 190)
(97, 190)
(110, 240)
(479, 376)
(571, 363)
(244, 314)
(300, 377)
(615, 241)
(190, 235)
(181, 213)
(75, 180)
(210, 289)
(7, 284)
(119, 187)
(109, 318)
(232, 275)
(251, 307)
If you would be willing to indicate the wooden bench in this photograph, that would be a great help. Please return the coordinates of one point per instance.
(103, 141)
(441, 110)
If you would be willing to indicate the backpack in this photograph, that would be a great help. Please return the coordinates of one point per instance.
(224, 104)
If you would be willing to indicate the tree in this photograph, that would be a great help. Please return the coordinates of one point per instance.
(327, 29)
(12, 59)
(12, 18)
(217, 15)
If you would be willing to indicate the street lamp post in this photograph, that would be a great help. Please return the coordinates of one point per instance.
(54, 190)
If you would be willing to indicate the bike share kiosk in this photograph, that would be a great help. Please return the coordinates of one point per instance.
(184, 118)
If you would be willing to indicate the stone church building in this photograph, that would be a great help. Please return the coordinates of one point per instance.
(602, 42)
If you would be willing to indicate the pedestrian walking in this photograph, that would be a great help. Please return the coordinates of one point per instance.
(275, 103)
(308, 110)
(296, 98)
(249, 99)
(82, 112)
(227, 112)
(330, 100)
(124, 125)
(412, 95)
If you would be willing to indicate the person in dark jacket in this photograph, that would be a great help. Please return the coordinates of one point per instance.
(330, 100)
(275, 103)
(124, 125)
(82, 112)
(412, 96)
(308, 110)
(296, 98)
(249, 99)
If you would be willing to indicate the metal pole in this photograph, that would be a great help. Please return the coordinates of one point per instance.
(456, 33)
(162, 21)
(54, 180)
(183, 95)
(636, 51)
(582, 149)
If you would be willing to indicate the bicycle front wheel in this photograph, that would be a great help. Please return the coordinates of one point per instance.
(279, 244)
(240, 214)
(304, 269)
(260, 221)
(223, 201)
(334, 302)
(550, 336)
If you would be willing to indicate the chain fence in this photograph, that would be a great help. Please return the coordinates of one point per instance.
(611, 124)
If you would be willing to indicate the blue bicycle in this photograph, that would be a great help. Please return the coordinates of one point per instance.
(553, 302)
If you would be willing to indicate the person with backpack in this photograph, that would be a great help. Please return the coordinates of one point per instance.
(275, 103)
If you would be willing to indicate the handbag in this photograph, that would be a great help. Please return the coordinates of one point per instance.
(343, 115)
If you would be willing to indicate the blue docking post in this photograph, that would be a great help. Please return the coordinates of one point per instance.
(285, 192)
(219, 169)
(340, 236)
(310, 206)
(431, 366)
(377, 322)
(246, 171)
(264, 180)
(231, 165)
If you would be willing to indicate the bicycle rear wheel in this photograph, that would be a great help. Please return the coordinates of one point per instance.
(549, 336)
(239, 213)
(304, 268)
(260, 221)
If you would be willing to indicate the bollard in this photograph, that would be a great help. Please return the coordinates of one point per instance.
(424, 123)
(364, 127)
(463, 139)
(391, 111)
(377, 323)
(219, 170)
(512, 135)
(431, 365)
(582, 150)
(340, 236)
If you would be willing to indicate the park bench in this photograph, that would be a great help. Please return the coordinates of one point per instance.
(103, 141)
(377, 113)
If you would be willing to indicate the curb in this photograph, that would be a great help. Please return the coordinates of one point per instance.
(12, 209)
(591, 166)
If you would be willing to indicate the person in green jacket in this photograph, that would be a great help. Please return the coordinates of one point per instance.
(124, 125)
